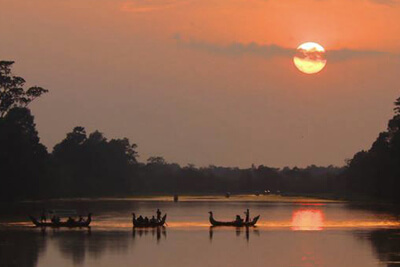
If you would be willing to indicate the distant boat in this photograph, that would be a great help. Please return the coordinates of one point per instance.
(70, 224)
(233, 223)
(137, 223)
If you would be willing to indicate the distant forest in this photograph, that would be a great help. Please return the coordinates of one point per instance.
(89, 165)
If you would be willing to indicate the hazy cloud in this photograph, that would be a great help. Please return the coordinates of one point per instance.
(272, 50)
(236, 49)
(346, 54)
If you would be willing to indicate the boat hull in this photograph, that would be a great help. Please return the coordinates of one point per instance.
(60, 224)
(234, 223)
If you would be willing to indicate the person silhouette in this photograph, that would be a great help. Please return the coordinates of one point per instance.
(247, 213)
(158, 215)
(43, 217)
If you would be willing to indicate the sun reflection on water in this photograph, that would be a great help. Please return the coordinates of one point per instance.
(307, 220)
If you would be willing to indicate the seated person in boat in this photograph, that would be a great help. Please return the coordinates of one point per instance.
(239, 219)
(54, 219)
(43, 217)
(146, 220)
(70, 220)
(140, 219)
(153, 220)
(80, 218)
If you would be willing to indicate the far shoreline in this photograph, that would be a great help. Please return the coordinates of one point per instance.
(271, 198)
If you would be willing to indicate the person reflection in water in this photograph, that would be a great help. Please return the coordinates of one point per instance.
(238, 232)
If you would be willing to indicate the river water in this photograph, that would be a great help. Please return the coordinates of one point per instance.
(292, 232)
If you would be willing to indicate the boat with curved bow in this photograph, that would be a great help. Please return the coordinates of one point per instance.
(235, 223)
(140, 223)
(68, 223)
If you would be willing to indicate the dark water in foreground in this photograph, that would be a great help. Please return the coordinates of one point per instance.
(289, 234)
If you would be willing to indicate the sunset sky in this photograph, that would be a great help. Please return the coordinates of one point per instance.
(210, 81)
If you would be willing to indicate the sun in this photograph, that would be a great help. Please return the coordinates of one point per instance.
(310, 58)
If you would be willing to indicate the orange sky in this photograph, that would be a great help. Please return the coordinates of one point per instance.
(210, 81)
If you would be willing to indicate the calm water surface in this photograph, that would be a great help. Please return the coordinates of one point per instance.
(289, 234)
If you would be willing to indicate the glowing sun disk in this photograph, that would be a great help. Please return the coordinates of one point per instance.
(310, 58)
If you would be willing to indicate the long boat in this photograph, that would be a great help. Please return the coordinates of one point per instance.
(69, 224)
(233, 223)
(137, 223)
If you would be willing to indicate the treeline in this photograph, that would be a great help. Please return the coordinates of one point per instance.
(375, 173)
(89, 165)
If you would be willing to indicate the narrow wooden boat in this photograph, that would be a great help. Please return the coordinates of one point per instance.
(137, 223)
(85, 223)
(233, 223)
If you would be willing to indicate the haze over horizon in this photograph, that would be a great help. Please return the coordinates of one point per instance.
(211, 81)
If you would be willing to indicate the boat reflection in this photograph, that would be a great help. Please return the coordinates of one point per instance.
(238, 231)
(21, 248)
(78, 246)
(156, 231)
(54, 230)
(307, 220)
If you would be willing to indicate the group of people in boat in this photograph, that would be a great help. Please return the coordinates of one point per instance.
(72, 220)
(146, 220)
(55, 219)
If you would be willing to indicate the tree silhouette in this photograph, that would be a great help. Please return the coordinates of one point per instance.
(375, 172)
(156, 160)
(12, 93)
(22, 157)
(94, 166)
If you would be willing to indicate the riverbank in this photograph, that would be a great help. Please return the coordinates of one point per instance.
(218, 198)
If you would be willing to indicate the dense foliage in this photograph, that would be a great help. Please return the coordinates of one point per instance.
(12, 93)
(375, 173)
(23, 159)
